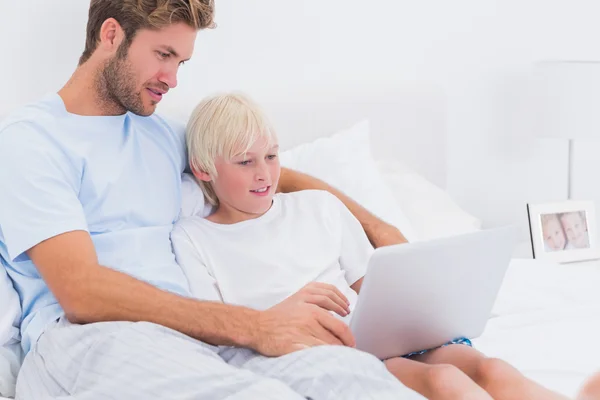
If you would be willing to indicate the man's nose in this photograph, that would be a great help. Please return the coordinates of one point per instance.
(169, 77)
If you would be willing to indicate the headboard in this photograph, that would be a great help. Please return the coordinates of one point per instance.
(408, 124)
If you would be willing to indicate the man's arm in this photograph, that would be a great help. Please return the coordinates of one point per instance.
(379, 232)
(89, 292)
(41, 214)
(357, 285)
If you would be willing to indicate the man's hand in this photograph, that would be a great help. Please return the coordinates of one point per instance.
(295, 324)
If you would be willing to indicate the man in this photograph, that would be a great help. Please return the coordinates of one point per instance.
(91, 187)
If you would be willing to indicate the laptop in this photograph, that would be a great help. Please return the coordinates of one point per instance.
(422, 295)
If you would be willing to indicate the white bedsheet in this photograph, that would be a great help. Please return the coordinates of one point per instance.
(546, 322)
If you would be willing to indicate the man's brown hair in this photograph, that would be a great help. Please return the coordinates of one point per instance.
(134, 15)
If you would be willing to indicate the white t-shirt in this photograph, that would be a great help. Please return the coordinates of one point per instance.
(304, 237)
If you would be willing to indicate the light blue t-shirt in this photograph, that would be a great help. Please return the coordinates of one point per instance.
(119, 178)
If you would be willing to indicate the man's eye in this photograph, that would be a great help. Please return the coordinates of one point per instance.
(163, 55)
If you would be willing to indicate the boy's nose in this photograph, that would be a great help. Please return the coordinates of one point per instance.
(261, 177)
(262, 174)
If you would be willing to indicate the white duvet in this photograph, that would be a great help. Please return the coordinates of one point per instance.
(546, 322)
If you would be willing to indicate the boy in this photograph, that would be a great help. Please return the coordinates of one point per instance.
(306, 246)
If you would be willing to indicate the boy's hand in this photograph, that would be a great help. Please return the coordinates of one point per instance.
(294, 325)
(323, 295)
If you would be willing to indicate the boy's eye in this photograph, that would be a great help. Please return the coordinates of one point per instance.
(245, 162)
(272, 156)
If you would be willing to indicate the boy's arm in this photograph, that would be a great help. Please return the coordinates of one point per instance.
(379, 232)
(202, 284)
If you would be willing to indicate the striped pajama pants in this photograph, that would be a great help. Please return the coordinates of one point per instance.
(126, 360)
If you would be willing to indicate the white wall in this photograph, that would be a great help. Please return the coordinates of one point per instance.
(477, 52)
(494, 164)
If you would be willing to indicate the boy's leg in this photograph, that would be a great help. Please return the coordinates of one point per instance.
(436, 382)
(591, 389)
(498, 378)
(124, 360)
(326, 372)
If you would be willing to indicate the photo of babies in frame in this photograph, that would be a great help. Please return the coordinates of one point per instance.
(563, 232)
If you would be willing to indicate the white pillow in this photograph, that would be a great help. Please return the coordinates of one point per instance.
(11, 354)
(192, 198)
(430, 210)
(344, 161)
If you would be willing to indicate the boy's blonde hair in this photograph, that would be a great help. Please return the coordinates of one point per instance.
(224, 125)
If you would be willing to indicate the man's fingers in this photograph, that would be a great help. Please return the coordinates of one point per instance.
(300, 346)
(336, 327)
(327, 303)
(324, 335)
(308, 342)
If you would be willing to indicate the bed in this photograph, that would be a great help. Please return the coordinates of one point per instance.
(546, 320)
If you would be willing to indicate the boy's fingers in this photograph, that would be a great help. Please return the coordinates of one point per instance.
(331, 294)
(325, 302)
(334, 289)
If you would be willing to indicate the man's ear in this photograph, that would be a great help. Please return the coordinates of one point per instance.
(201, 175)
(111, 34)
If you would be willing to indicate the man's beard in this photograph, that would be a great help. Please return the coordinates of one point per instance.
(117, 88)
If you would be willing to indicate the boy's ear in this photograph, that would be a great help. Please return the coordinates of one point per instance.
(201, 175)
